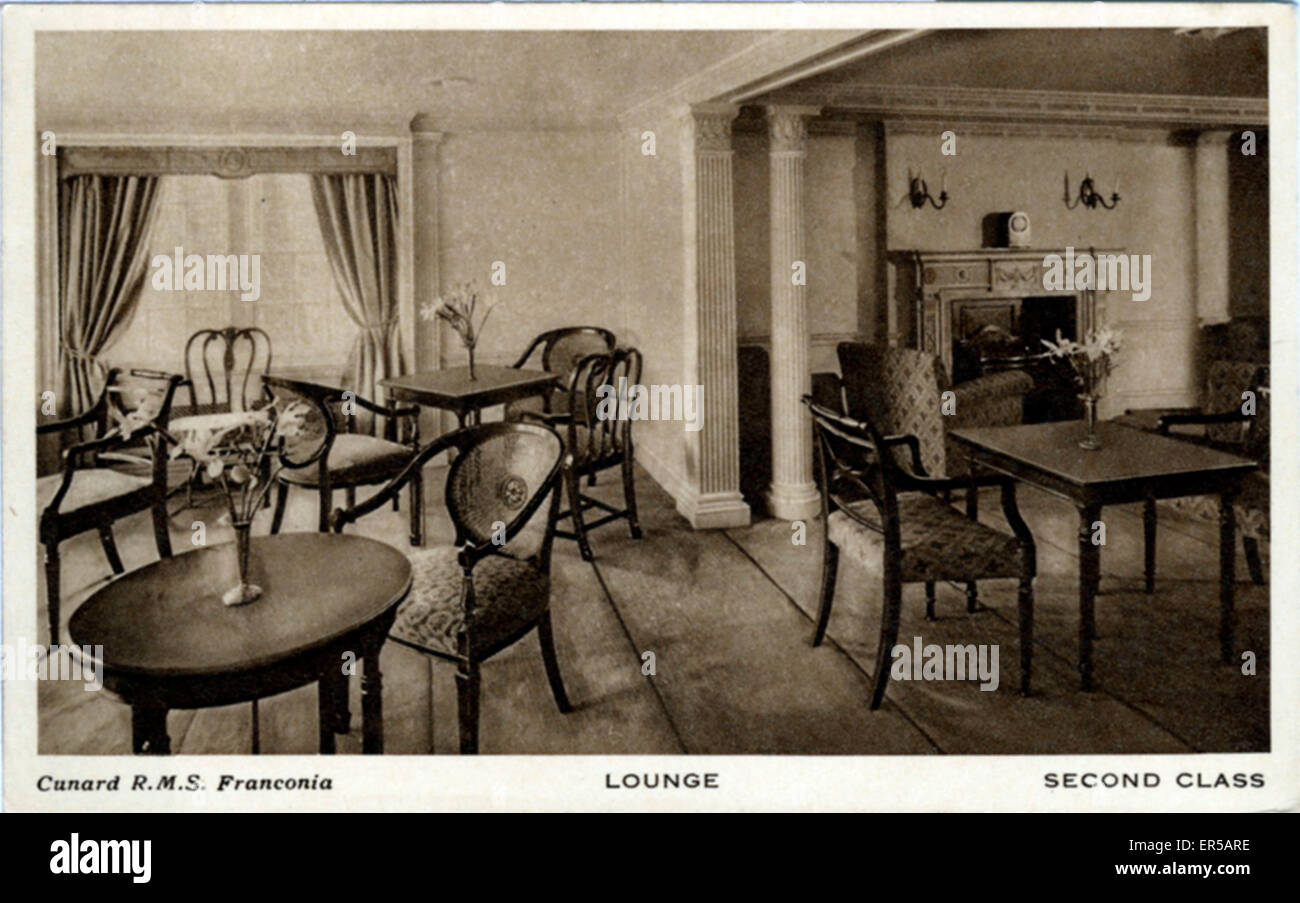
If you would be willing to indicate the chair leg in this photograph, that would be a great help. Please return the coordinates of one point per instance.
(281, 499)
(467, 687)
(629, 497)
(110, 548)
(161, 535)
(1025, 602)
(572, 480)
(929, 600)
(52, 589)
(892, 608)
(1251, 546)
(326, 500)
(546, 639)
(972, 512)
(417, 510)
(1149, 543)
(972, 598)
(591, 478)
(830, 564)
(351, 495)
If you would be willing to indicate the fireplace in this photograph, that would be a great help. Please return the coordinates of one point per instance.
(988, 310)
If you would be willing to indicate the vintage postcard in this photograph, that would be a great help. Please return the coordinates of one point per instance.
(650, 407)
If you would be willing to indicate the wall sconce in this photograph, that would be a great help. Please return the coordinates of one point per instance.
(1089, 196)
(918, 192)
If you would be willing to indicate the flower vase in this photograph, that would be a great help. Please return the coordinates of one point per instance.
(244, 592)
(470, 349)
(1090, 442)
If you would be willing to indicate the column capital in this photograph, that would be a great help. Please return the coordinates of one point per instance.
(787, 127)
(1215, 138)
(713, 125)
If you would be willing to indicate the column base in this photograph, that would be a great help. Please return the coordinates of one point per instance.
(711, 512)
(797, 502)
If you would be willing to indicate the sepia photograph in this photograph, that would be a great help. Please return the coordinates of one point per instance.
(574, 390)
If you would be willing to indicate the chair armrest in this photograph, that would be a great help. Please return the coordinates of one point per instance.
(994, 385)
(1198, 419)
(341, 517)
(57, 426)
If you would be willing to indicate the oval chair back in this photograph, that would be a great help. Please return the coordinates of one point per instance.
(311, 441)
(498, 481)
(562, 350)
(222, 367)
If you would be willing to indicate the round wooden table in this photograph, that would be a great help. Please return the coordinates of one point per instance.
(169, 643)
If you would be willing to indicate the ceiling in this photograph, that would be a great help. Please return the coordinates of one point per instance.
(463, 80)
(1120, 61)
(568, 79)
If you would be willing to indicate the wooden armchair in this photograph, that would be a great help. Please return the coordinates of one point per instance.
(875, 508)
(1224, 421)
(489, 589)
(561, 352)
(91, 491)
(351, 458)
(597, 430)
(902, 391)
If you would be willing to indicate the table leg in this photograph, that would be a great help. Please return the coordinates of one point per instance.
(326, 705)
(1227, 573)
(1089, 578)
(372, 706)
(149, 730)
(1149, 543)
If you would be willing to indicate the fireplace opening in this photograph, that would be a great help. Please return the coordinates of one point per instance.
(995, 335)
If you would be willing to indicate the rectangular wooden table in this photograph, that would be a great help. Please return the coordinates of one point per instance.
(1131, 466)
(451, 389)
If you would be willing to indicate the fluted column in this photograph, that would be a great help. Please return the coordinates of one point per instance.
(792, 495)
(712, 497)
(1212, 227)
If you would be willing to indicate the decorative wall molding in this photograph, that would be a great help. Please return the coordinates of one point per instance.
(989, 104)
(931, 128)
(232, 162)
(818, 339)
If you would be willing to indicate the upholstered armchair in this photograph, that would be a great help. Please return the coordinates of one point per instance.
(1224, 421)
(351, 458)
(92, 490)
(491, 587)
(902, 391)
(885, 512)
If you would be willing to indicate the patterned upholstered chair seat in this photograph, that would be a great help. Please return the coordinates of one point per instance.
(938, 543)
(508, 596)
(89, 487)
(356, 458)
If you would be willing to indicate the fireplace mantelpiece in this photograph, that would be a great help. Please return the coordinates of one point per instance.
(940, 279)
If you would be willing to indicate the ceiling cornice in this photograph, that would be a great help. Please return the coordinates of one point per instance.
(776, 59)
(1005, 105)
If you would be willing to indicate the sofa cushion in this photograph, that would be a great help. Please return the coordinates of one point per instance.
(508, 595)
(355, 458)
(90, 486)
(938, 543)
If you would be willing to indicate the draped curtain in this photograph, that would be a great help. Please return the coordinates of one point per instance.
(104, 229)
(358, 221)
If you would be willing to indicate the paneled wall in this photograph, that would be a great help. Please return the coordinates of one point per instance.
(1000, 172)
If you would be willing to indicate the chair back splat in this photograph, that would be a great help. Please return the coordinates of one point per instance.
(223, 368)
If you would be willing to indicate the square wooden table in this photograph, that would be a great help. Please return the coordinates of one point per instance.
(1131, 466)
(451, 389)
